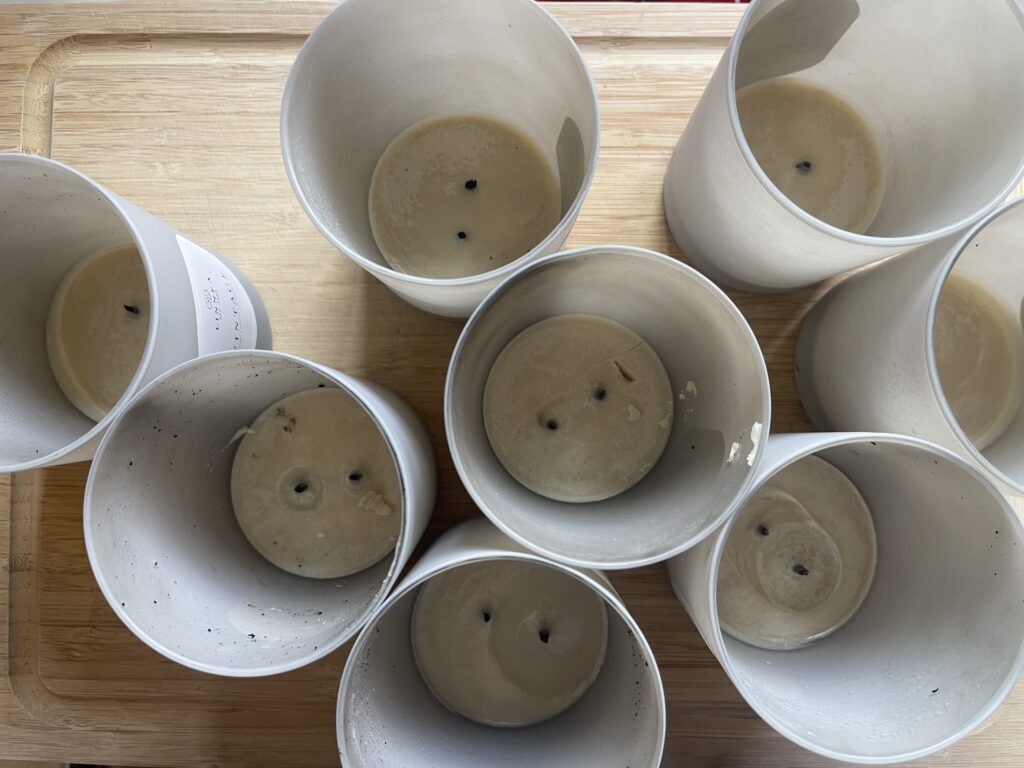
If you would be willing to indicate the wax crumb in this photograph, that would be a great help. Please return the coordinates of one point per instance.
(734, 451)
(374, 502)
(664, 423)
(634, 413)
(691, 388)
(320, 534)
(755, 439)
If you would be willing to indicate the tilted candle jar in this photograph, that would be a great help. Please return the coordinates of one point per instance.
(660, 315)
(388, 715)
(187, 581)
(466, 78)
(102, 298)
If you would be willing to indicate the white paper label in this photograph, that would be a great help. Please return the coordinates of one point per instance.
(224, 315)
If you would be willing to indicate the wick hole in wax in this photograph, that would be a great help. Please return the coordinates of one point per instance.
(301, 487)
(471, 184)
(799, 570)
(355, 477)
(131, 308)
(461, 235)
(804, 166)
(487, 616)
(551, 424)
(762, 530)
(600, 393)
(544, 635)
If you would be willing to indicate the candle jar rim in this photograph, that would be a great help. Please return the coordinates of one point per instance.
(902, 241)
(948, 265)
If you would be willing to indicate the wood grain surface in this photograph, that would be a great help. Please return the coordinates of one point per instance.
(175, 106)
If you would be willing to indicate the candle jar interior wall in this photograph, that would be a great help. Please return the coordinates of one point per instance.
(403, 62)
(937, 644)
(719, 386)
(388, 715)
(950, 130)
(52, 218)
(866, 354)
(167, 550)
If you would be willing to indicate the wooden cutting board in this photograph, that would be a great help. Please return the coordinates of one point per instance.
(175, 107)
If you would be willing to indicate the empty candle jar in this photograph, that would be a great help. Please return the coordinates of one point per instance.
(482, 636)
(812, 150)
(458, 146)
(929, 344)
(605, 406)
(937, 642)
(102, 298)
(248, 511)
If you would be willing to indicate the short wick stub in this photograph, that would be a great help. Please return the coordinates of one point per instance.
(762, 530)
(131, 308)
(471, 184)
(799, 570)
(461, 235)
(544, 635)
(551, 424)
(301, 487)
(804, 166)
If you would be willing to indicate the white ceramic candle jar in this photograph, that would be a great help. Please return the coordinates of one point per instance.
(162, 535)
(939, 640)
(118, 324)
(717, 383)
(773, 191)
(387, 714)
(376, 68)
(928, 344)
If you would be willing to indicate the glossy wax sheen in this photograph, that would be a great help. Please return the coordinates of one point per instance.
(459, 195)
(799, 560)
(815, 148)
(314, 486)
(97, 328)
(508, 642)
(977, 345)
(578, 408)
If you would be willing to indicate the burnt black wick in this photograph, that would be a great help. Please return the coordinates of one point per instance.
(799, 570)
(762, 530)
(131, 308)
(461, 235)
(544, 635)
(600, 393)
(487, 616)
(355, 477)
(471, 184)
(552, 424)
(301, 487)
(804, 167)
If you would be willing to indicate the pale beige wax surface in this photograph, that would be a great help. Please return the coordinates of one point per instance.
(315, 487)
(799, 559)
(97, 328)
(459, 195)
(578, 408)
(978, 357)
(816, 149)
(508, 642)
